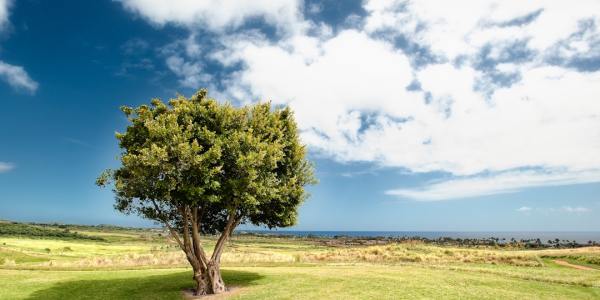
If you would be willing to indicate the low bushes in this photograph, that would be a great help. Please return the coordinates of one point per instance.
(19, 229)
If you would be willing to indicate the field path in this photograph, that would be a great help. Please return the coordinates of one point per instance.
(568, 264)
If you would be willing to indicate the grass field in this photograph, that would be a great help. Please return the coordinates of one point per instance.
(138, 264)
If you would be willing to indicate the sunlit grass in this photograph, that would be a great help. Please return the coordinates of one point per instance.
(146, 265)
(323, 282)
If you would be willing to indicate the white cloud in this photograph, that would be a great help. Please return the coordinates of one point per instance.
(5, 167)
(4, 6)
(217, 15)
(190, 72)
(462, 27)
(326, 87)
(505, 182)
(349, 88)
(350, 99)
(17, 77)
(578, 209)
(562, 210)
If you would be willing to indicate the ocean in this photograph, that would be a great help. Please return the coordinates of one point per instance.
(581, 237)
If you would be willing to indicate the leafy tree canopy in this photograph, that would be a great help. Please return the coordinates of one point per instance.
(200, 166)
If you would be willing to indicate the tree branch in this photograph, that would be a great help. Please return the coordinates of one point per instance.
(216, 255)
(196, 237)
(171, 230)
(191, 259)
(186, 237)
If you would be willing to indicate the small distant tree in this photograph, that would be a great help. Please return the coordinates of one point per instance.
(203, 167)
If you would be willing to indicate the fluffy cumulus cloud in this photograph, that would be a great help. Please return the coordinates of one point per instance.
(216, 14)
(501, 95)
(15, 76)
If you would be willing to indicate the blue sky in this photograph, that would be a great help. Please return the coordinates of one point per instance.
(418, 115)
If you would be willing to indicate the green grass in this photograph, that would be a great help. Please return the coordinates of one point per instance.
(19, 257)
(322, 282)
(138, 264)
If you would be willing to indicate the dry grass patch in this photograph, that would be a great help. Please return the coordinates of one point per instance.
(418, 252)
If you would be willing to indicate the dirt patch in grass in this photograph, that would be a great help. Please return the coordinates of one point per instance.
(188, 294)
(568, 264)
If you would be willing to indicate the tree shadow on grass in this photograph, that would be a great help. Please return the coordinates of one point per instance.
(144, 287)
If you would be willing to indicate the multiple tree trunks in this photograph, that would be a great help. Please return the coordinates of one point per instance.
(209, 280)
(207, 272)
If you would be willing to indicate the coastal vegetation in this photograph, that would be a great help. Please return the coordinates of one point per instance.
(42, 231)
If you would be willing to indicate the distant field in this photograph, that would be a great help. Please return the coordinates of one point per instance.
(143, 264)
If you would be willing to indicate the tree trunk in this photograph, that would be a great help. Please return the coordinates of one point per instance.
(214, 275)
(202, 281)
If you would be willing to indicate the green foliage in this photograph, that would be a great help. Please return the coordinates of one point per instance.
(225, 161)
(20, 229)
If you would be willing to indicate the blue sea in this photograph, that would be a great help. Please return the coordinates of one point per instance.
(581, 237)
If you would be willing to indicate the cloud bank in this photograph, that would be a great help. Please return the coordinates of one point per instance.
(502, 96)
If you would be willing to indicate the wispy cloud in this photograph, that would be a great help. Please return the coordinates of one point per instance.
(17, 77)
(4, 7)
(135, 46)
(500, 183)
(552, 210)
(5, 167)
(352, 174)
(14, 75)
(577, 209)
(78, 142)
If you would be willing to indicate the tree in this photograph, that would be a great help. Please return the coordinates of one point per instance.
(202, 167)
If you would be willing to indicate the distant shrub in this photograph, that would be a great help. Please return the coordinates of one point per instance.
(19, 229)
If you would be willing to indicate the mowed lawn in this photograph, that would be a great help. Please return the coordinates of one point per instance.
(301, 282)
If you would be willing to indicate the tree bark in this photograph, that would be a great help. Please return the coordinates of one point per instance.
(202, 283)
(217, 285)
(198, 250)
(207, 272)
